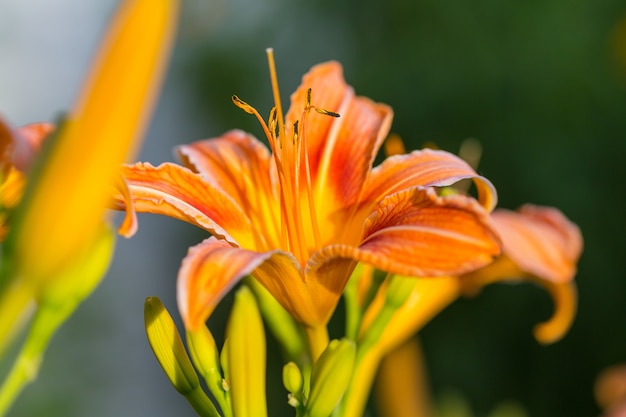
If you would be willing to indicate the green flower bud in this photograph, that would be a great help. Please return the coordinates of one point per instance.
(206, 358)
(330, 377)
(168, 346)
(292, 378)
(246, 356)
(205, 355)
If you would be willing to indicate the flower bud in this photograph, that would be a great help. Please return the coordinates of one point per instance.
(168, 347)
(246, 356)
(292, 378)
(206, 358)
(204, 353)
(330, 377)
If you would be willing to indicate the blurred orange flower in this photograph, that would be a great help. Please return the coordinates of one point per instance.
(18, 147)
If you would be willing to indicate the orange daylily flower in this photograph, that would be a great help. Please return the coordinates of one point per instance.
(540, 245)
(18, 148)
(299, 218)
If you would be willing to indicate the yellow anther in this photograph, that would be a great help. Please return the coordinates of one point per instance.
(295, 132)
(271, 122)
(243, 105)
(326, 112)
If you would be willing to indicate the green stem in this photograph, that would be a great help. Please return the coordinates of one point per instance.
(15, 300)
(353, 309)
(26, 367)
(368, 354)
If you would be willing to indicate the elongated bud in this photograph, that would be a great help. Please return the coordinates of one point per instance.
(168, 347)
(72, 184)
(330, 377)
(204, 353)
(206, 358)
(246, 356)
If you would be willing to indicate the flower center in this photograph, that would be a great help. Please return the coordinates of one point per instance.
(299, 227)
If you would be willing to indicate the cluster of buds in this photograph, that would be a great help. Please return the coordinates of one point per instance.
(235, 376)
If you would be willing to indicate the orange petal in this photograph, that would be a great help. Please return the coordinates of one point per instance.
(565, 298)
(18, 147)
(541, 241)
(213, 267)
(207, 273)
(307, 301)
(177, 192)
(341, 150)
(564, 295)
(12, 188)
(425, 168)
(30, 137)
(328, 91)
(239, 165)
(7, 144)
(129, 225)
(414, 233)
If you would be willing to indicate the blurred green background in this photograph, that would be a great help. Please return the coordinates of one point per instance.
(541, 84)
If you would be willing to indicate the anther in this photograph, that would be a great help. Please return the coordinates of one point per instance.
(271, 122)
(327, 112)
(242, 104)
(295, 132)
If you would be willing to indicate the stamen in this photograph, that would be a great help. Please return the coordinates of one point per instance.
(251, 110)
(326, 112)
(243, 105)
(290, 209)
(298, 212)
(271, 122)
(309, 187)
(271, 137)
(295, 132)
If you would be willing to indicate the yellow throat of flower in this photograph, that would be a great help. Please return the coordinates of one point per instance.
(299, 227)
